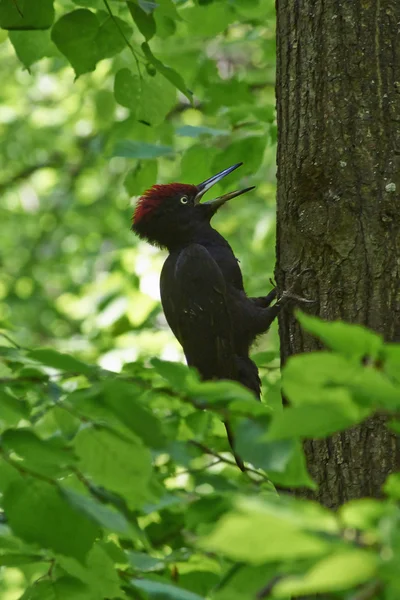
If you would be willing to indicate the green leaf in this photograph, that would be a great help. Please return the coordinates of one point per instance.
(241, 535)
(25, 14)
(127, 89)
(12, 409)
(142, 150)
(141, 177)
(148, 98)
(121, 398)
(14, 559)
(110, 38)
(49, 457)
(75, 34)
(145, 562)
(164, 591)
(64, 588)
(121, 465)
(145, 21)
(317, 377)
(367, 514)
(195, 132)
(295, 474)
(341, 571)
(210, 20)
(31, 46)
(99, 573)
(62, 362)
(392, 486)
(170, 74)
(39, 513)
(348, 339)
(314, 420)
(252, 446)
(105, 516)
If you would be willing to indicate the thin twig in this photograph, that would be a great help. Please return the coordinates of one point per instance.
(228, 461)
(127, 42)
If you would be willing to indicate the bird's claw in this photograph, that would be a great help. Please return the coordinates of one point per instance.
(288, 295)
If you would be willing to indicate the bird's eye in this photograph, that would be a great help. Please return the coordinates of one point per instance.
(184, 200)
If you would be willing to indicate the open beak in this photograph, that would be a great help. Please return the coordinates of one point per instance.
(214, 205)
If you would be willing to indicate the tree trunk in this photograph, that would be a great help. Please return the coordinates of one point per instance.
(338, 103)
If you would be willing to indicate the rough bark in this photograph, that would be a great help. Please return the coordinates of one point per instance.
(338, 103)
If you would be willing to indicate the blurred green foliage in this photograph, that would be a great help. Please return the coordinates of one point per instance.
(122, 486)
(92, 112)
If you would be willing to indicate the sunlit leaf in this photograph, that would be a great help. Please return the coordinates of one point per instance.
(340, 571)
(122, 465)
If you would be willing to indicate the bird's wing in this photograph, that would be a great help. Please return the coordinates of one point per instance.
(194, 298)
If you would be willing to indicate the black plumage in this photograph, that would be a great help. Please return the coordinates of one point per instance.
(202, 291)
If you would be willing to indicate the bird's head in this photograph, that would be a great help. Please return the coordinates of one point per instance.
(170, 215)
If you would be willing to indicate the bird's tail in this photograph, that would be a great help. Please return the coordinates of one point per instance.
(248, 375)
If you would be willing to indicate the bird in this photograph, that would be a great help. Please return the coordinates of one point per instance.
(201, 283)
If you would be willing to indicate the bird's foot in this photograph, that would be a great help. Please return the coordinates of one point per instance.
(291, 294)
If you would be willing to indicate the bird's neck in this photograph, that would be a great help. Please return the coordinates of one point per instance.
(204, 235)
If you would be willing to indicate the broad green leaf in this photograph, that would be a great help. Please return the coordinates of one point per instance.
(142, 150)
(119, 464)
(244, 582)
(210, 20)
(105, 516)
(141, 177)
(12, 409)
(64, 588)
(167, 8)
(14, 559)
(195, 132)
(366, 514)
(49, 457)
(314, 420)
(144, 21)
(62, 362)
(39, 513)
(98, 4)
(340, 571)
(110, 38)
(99, 573)
(317, 377)
(170, 74)
(295, 474)
(75, 35)
(121, 398)
(347, 339)
(372, 388)
(127, 89)
(241, 535)
(177, 374)
(31, 46)
(392, 486)
(25, 14)
(391, 361)
(164, 591)
(252, 446)
(145, 562)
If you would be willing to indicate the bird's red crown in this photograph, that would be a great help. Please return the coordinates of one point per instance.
(156, 195)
